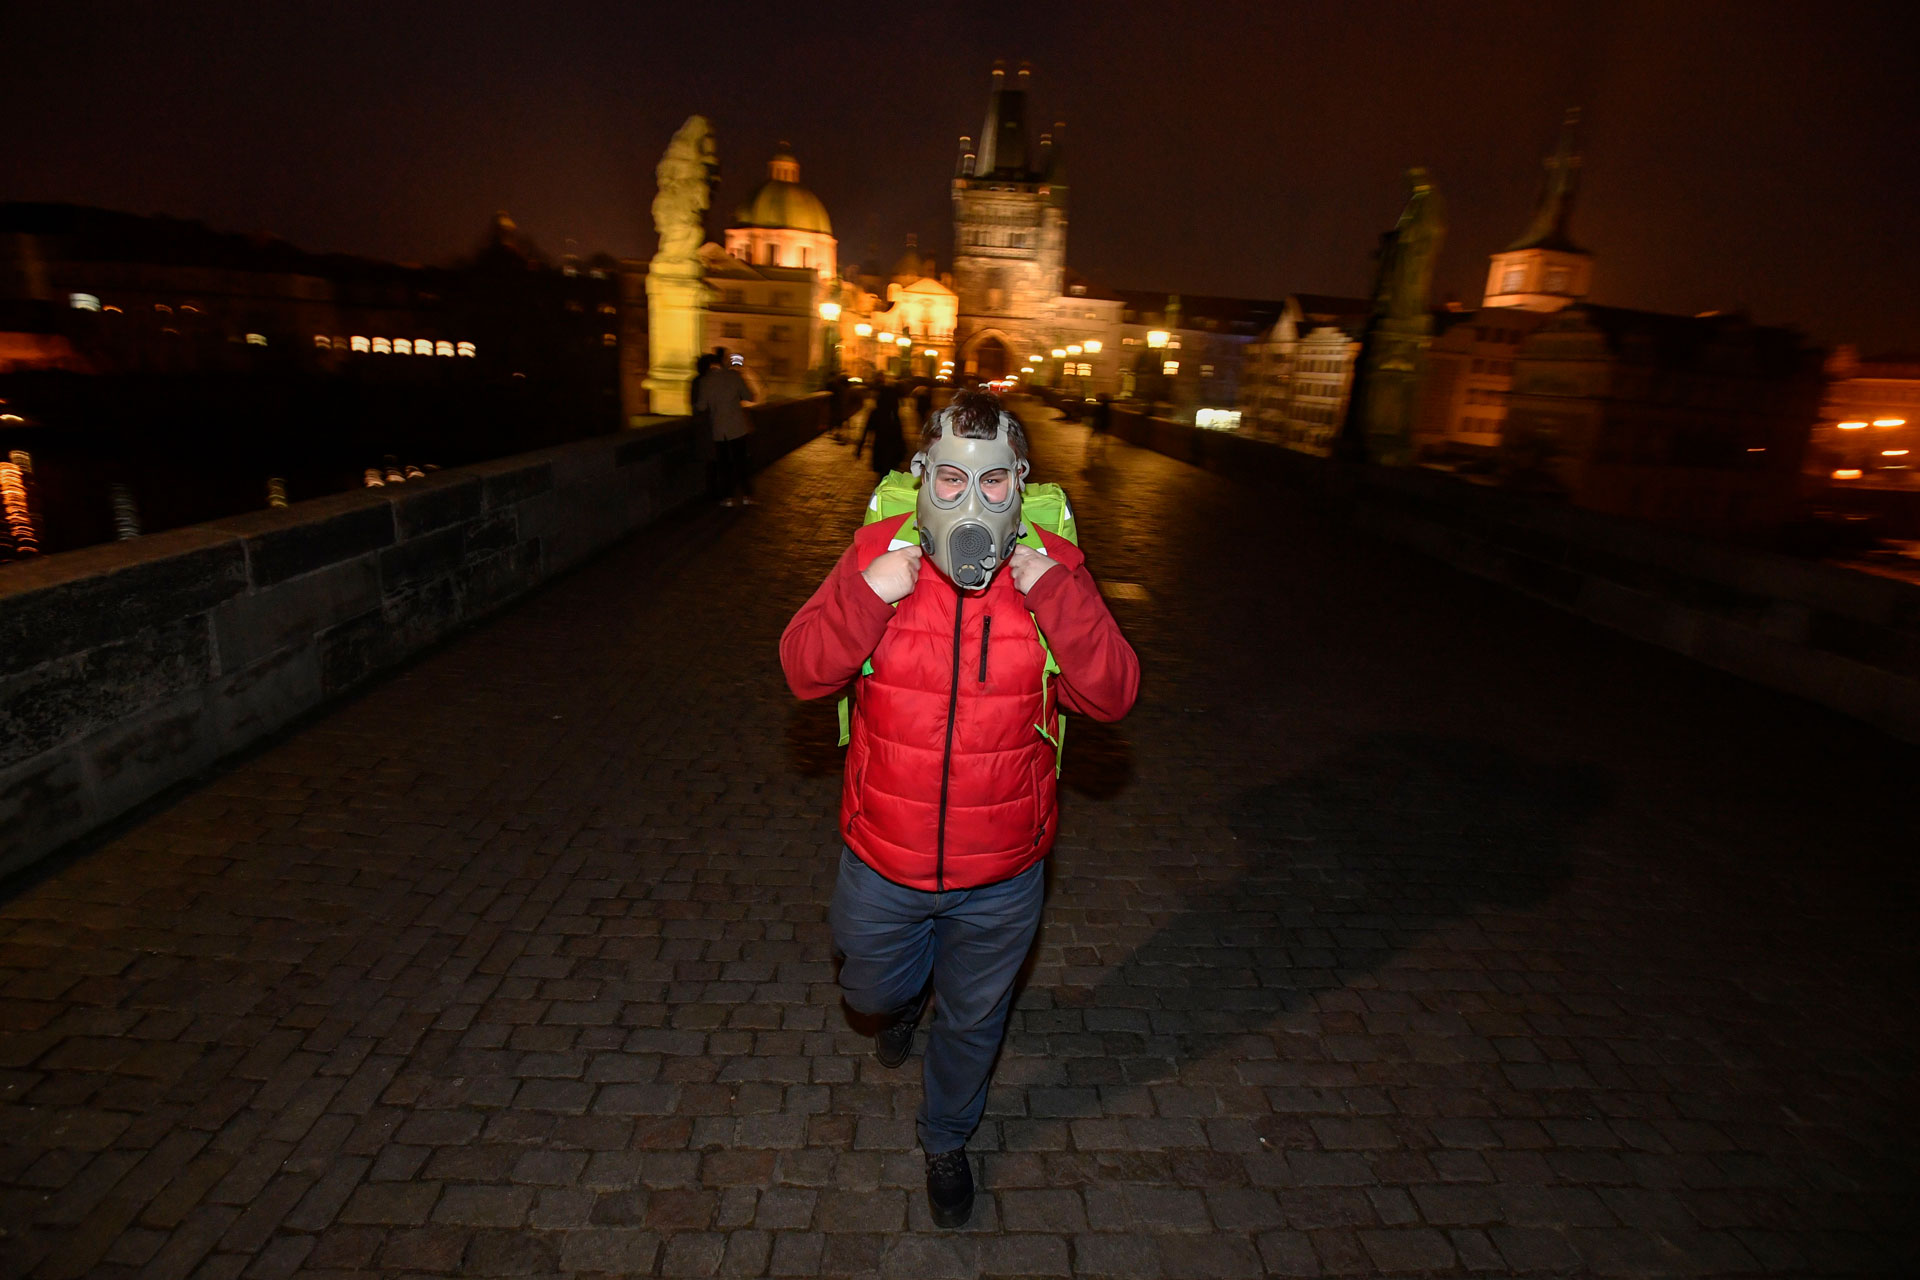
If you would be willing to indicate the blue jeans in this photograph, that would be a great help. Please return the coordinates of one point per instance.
(971, 943)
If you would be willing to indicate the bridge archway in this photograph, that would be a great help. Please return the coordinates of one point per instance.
(988, 355)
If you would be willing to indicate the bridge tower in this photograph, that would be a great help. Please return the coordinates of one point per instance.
(1544, 270)
(1009, 235)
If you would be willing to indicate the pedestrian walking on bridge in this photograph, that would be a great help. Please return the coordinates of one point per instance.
(963, 641)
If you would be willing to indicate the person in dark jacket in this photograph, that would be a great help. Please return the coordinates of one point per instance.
(883, 428)
(951, 802)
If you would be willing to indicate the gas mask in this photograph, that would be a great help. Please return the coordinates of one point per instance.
(968, 538)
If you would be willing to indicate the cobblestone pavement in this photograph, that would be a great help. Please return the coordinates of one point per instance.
(1405, 927)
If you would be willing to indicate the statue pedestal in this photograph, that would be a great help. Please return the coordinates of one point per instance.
(677, 296)
(1394, 369)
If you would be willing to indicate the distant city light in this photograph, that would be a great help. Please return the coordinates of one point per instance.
(1893, 453)
(360, 343)
(256, 339)
(374, 479)
(1073, 348)
(11, 417)
(1093, 346)
(1847, 473)
(402, 347)
(381, 347)
(1889, 422)
(465, 349)
(83, 302)
(442, 348)
(1851, 426)
(1059, 353)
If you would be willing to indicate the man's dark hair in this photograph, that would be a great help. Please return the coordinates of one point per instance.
(976, 415)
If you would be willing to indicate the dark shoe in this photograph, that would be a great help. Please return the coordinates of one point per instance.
(895, 1040)
(950, 1188)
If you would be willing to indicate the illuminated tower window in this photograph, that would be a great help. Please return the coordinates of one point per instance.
(360, 343)
(381, 347)
(323, 342)
(402, 347)
(1514, 280)
(466, 349)
(256, 339)
(83, 302)
(443, 348)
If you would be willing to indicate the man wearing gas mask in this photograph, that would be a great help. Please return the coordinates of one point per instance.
(964, 632)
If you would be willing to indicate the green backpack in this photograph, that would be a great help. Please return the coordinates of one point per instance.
(1042, 506)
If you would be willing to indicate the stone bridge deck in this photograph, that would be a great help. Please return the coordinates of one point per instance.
(1406, 927)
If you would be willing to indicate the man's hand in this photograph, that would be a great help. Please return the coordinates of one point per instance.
(1028, 566)
(892, 575)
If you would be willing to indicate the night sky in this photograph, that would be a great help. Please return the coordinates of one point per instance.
(1749, 154)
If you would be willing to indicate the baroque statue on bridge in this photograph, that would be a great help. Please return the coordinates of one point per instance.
(1406, 271)
(685, 175)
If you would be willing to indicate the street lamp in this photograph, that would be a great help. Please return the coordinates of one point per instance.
(1157, 339)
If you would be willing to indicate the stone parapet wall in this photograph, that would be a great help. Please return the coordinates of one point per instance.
(129, 667)
(1846, 639)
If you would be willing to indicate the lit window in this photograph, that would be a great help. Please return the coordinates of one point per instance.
(360, 343)
(442, 348)
(402, 347)
(83, 302)
(466, 348)
(322, 341)
(597, 273)
(1513, 280)
(1557, 280)
(1170, 368)
(381, 347)
(606, 308)
(256, 339)
(607, 340)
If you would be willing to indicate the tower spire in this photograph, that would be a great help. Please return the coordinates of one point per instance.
(1553, 214)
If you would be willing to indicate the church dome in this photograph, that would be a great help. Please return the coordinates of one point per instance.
(911, 265)
(782, 202)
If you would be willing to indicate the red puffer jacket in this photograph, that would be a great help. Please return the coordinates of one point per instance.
(950, 784)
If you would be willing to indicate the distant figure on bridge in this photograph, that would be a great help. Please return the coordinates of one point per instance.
(883, 427)
(963, 641)
(722, 392)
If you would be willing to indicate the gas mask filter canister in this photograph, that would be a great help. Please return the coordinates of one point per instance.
(969, 538)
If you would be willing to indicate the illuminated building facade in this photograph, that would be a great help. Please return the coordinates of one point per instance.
(1469, 377)
(1869, 428)
(1298, 373)
(1698, 422)
(769, 315)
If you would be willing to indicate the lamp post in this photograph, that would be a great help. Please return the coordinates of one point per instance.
(903, 354)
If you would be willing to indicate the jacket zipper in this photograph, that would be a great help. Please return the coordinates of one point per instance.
(986, 629)
(946, 761)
